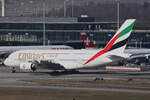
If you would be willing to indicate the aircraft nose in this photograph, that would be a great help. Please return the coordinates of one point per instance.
(6, 62)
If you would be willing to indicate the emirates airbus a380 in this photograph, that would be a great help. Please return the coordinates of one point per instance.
(74, 59)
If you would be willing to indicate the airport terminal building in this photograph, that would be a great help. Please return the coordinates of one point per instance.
(30, 30)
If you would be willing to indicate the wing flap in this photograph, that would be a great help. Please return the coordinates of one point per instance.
(115, 57)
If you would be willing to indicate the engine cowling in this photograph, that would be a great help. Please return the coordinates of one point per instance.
(28, 66)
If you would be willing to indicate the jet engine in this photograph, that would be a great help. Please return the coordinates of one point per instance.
(28, 66)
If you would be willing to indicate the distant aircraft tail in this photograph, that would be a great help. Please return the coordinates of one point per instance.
(119, 41)
(86, 41)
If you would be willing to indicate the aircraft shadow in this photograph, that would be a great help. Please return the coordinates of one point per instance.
(61, 73)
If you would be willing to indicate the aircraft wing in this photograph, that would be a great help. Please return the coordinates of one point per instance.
(54, 65)
(68, 64)
(115, 57)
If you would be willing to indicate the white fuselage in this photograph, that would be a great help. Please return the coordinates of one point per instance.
(70, 59)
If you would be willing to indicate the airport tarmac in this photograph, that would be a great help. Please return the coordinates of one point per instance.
(23, 79)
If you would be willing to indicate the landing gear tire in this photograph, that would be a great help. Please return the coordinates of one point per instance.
(33, 69)
(55, 71)
(13, 70)
(71, 71)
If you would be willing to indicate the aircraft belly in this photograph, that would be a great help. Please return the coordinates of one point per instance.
(70, 64)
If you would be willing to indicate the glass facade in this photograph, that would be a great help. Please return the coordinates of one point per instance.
(65, 32)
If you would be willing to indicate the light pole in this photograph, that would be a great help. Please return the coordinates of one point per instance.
(3, 7)
(118, 13)
(44, 31)
(65, 7)
(72, 8)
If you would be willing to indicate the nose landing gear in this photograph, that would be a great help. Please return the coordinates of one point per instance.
(13, 70)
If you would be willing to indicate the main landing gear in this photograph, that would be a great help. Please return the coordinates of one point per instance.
(13, 70)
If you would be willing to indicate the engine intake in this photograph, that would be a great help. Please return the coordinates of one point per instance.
(28, 66)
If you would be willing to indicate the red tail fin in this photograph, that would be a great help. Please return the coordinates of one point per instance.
(86, 41)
